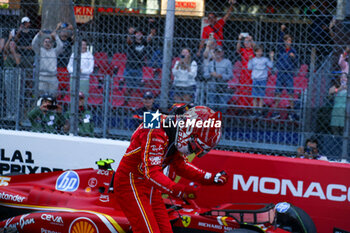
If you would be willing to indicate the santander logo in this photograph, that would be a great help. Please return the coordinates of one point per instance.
(297, 188)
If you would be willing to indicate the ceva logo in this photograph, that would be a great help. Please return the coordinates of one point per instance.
(68, 181)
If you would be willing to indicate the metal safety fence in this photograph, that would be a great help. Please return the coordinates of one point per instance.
(277, 70)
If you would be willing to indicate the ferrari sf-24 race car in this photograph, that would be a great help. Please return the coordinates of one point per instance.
(83, 201)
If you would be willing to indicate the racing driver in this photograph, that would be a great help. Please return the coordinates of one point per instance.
(140, 181)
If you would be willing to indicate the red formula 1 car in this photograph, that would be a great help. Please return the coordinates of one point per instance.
(82, 201)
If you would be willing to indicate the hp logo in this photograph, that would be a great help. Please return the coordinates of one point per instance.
(68, 181)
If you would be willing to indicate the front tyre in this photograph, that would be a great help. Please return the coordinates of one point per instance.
(294, 219)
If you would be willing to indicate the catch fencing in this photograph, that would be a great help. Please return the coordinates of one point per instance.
(304, 105)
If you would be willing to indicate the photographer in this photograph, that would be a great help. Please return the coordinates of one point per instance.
(185, 72)
(310, 150)
(47, 115)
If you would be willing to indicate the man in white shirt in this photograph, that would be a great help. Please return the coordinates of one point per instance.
(86, 68)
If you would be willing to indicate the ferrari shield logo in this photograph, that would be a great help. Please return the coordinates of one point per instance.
(186, 220)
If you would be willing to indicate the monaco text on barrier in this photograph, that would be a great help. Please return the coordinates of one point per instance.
(276, 186)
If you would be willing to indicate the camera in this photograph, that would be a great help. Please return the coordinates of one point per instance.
(182, 56)
(310, 150)
(52, 107)
(64, 25)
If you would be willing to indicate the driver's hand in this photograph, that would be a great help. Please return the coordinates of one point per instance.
(186, 191)
(220, 178)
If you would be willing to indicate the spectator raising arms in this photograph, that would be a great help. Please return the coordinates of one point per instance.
(245, 81)
(48, 60)
(209, 52)
(216, 27)
(286, 64)
(259, 67)
(137, 45)
(23, 39)
(185, 72)
(12, 60)
(86, 67)
(219, 72)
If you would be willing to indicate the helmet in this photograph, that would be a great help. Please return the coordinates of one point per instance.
(200, 131)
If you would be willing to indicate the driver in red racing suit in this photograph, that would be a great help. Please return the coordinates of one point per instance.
(140, 181)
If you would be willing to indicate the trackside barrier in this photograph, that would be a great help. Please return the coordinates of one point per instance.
(26, 152)
(321, 188)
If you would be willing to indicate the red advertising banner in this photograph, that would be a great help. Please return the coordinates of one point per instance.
(320, 188)
(83, 14)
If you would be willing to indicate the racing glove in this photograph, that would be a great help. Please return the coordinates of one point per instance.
(185, 191)
(220, 178)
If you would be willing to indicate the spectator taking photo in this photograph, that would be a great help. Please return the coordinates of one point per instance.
(47, 115)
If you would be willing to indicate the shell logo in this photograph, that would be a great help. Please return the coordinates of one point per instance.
(83, 225)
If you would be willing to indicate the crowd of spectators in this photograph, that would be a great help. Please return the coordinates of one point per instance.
(209, 65)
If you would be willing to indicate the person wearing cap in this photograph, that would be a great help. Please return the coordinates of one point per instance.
(218, 73)
(185, 72)
(148, 106)
(47, 115)
(136, 49)
(23, 38)
(85, 123)
(48, 81)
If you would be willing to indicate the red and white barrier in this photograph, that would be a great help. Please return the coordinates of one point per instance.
(321, 188)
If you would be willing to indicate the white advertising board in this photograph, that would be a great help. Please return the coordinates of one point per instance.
(27, 152)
